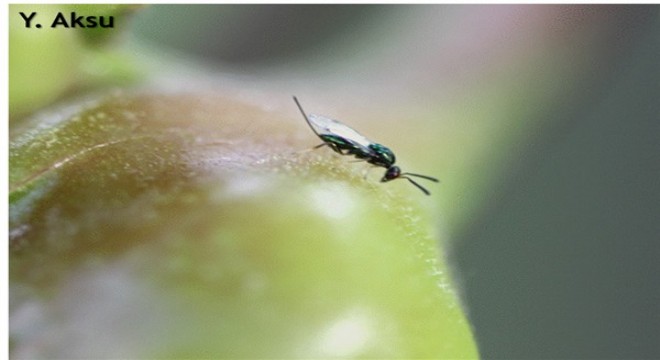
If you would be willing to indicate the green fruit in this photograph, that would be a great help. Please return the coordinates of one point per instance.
(43, 62)
(46, 64)
(172, 226)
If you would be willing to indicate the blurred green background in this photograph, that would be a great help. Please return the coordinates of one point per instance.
(542, 122)
(558, 256)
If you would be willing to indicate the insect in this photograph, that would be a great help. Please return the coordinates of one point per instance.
(346, 141)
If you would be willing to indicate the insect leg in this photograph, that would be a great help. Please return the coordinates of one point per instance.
(312, 149)
(366, 172)
(331, 145)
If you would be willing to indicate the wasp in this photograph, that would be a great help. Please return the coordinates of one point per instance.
(346, 141)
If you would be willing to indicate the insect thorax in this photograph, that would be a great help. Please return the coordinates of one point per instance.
(384, 156)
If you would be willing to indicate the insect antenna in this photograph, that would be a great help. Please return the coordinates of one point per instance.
(306, 119)
(422, 176)
(418, 185)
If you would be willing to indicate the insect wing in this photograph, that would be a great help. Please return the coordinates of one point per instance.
(327, 126)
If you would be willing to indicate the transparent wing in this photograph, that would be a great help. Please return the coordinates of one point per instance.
(327, 126)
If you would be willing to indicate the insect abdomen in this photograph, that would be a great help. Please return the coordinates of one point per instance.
(340, 145)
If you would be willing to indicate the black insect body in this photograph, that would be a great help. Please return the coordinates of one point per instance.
(346, 141)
